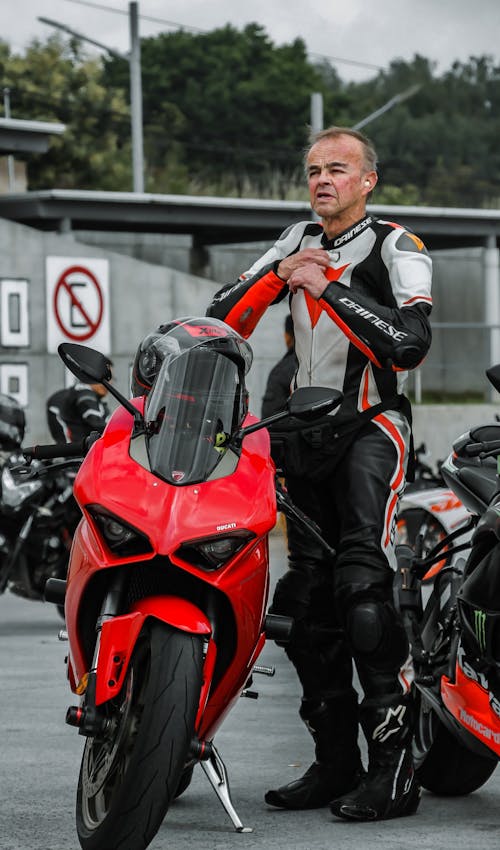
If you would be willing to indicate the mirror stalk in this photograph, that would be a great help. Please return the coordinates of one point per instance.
(138, 417)
(237, 438)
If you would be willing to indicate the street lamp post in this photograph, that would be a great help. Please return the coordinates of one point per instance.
(317, 108)
(398, 98)
(133, 57)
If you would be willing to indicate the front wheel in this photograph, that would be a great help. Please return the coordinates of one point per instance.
(444, 766)
(130, 774)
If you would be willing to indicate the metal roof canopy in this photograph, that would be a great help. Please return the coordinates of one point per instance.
(212, 220)
(19, 136)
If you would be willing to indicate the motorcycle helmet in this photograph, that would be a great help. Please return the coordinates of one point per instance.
(172, 338)
(12, 423)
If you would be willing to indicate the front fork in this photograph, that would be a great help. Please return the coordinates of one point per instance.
(88, 717)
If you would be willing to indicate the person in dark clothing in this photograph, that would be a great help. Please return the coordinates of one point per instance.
(359, 289)
(75, 412)
(279, 381)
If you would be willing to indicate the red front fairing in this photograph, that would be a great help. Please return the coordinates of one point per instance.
(469, 703)
(169, 515)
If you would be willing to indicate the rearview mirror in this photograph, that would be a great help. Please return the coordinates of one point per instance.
(305, 404)
(88, 365)
(92, 367)
(493, 375)
(309, 403)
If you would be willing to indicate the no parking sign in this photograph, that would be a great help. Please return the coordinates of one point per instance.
(78, 302)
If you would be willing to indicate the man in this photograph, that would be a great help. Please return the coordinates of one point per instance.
(360, 297)
(75, 412)
(278, 387)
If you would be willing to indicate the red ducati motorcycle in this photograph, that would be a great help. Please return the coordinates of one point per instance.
(167, 588)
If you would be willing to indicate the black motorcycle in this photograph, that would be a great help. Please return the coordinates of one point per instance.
(450, 602)
(38, 516)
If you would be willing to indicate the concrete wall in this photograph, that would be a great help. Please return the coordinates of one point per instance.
(439, 425)
(458, 357)
(223, 265)
(143, 293)
(161, 249)
(457, 360)
(141, 296)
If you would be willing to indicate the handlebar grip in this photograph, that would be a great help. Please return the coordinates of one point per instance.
(474, 449)
(47, 452)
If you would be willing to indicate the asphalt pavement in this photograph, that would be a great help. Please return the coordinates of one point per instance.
(263, 743)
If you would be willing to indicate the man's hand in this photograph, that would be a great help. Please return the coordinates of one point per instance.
(310, 277)
(302, 258)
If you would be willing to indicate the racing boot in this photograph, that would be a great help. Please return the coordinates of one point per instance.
(333, 723)
(389, 789)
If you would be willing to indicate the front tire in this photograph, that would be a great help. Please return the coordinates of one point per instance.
(444, 766)
(130, 774)
(185, 780)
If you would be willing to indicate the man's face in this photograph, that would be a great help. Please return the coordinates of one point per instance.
(338, 179)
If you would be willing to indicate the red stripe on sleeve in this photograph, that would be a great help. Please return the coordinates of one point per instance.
(244, 316)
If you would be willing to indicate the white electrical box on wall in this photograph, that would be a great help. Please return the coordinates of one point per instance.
(14, 314)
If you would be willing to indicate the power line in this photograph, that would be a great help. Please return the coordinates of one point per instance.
(176, 24)
(348, 61)
(141, 16)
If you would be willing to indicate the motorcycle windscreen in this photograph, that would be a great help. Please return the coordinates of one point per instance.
(193, 408)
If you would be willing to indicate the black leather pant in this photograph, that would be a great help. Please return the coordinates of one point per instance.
(344, 610)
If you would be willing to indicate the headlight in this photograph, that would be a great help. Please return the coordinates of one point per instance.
(213, 552)
(122, 539)
(15, 492)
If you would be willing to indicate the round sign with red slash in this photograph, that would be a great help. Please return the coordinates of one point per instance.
(78, 303)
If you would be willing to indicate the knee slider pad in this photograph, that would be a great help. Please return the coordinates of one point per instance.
(375, 631)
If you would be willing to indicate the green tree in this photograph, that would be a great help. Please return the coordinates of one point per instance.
(227, 113)
(230, 105)
(443, 140)
(55, 82)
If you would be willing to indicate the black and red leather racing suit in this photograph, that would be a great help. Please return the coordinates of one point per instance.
(73, 413)
(361, 336)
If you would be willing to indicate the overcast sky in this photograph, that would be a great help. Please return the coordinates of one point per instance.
(357, 31)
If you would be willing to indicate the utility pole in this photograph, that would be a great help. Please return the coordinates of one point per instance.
(10, 159)
(316, 126)
(136, 98)
(133, 57)
(316, 112)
